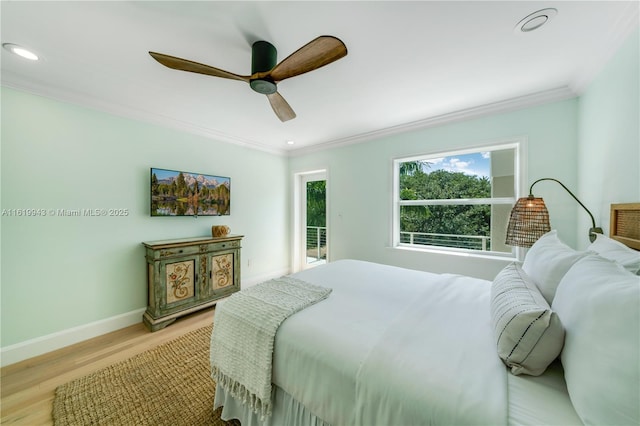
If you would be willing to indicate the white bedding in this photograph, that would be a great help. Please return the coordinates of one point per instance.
(392, 346)
(436, 361)
(541, 400)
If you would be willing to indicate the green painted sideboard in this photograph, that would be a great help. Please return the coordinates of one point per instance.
(189, 274)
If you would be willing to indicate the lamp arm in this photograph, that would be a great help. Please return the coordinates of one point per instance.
(593, 221)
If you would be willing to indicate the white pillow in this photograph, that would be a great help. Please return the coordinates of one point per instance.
(616, 251)
(547, 261)
(528, 334)
(598, 303)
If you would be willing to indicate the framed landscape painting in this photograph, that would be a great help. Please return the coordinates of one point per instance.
(176, 193)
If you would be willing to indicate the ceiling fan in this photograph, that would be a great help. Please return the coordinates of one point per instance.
(265, 74)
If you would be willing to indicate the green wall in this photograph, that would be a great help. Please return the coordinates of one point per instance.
(360, 182)
(609, 150)
(62, 272)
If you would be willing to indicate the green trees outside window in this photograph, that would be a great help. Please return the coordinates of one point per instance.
(316, 203)
(459, 219)
(316, 220)
(458, 199)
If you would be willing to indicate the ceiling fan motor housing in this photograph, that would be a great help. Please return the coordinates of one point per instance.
(263, 59)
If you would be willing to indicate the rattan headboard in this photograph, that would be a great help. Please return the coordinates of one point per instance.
(625, 224)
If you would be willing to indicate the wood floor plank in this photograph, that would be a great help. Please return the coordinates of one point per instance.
(28, 387)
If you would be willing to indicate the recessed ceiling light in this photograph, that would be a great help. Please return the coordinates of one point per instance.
(20, 51)
(290, 142)
(535, 20)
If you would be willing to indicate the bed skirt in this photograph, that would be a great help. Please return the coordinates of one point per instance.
(286, 411)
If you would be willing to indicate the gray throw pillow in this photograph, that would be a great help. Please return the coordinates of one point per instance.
(528, 334)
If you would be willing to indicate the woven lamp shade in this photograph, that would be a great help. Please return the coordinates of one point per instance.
(529, 221)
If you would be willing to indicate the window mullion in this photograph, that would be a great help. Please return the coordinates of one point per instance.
(457, 201)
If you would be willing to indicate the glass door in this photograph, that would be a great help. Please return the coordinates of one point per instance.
(312, 228)
(316, 223)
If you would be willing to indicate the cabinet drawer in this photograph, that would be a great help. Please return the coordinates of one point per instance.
(175, 251)
(168, 252)
(223, 245)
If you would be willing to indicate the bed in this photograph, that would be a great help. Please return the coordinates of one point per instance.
(551, 340)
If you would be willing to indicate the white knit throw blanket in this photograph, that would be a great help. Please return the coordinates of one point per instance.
(244, 330)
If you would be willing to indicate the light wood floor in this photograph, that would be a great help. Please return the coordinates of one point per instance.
(28, 386)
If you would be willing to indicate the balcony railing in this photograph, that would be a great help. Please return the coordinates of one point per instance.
(470, 242)
(316, 243)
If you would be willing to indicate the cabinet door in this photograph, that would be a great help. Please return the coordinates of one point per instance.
(180, 279)
(222, 270)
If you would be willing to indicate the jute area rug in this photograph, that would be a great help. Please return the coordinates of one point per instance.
(167, 385)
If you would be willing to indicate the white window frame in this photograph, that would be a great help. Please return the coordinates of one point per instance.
(520, 176)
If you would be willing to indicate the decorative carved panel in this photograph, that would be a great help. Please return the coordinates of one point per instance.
(180, 280)
(222, 270)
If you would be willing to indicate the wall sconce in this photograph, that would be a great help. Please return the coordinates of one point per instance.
(530, 219)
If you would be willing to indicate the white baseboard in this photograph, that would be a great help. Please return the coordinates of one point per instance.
(264, 277)
(43, 344)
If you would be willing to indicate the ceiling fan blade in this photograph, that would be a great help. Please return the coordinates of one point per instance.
(281, 107)
(313, 55)
(186, 65)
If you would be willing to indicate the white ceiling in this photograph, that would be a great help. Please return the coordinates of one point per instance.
(409, 63)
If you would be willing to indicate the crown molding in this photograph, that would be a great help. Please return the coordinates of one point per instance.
(138, 115)
(539, 98)
(513, 104)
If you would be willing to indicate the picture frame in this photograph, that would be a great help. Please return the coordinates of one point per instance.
(180, 193)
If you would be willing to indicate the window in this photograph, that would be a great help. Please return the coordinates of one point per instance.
(457, 200)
